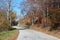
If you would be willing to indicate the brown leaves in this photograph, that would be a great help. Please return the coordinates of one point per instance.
(13, 15)
(4, 24)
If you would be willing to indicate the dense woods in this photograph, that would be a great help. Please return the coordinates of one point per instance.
(46, 12)
(54, 14)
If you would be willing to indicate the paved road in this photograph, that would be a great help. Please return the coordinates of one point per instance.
(33, 35)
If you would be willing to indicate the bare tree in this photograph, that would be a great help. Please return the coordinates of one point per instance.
(8, 6)
(33, 7)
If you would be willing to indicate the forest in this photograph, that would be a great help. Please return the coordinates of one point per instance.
(45, 12)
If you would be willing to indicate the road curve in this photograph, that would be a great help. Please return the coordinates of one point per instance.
(34, 35)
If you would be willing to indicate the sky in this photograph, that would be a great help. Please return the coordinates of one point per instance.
(16, 8)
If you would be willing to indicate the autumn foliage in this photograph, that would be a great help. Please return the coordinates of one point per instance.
(4, 24)
(46, 12)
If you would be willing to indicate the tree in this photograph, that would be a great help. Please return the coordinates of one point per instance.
(13, 18)
(4, 25)
(8, 7)
(7, 16)
(54, 14)
(33, 7)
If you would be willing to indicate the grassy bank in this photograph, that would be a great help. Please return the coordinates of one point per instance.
(10, 35)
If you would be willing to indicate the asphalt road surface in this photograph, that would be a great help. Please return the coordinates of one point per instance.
(34, 35)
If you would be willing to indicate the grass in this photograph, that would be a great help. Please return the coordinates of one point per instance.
(7, 35)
